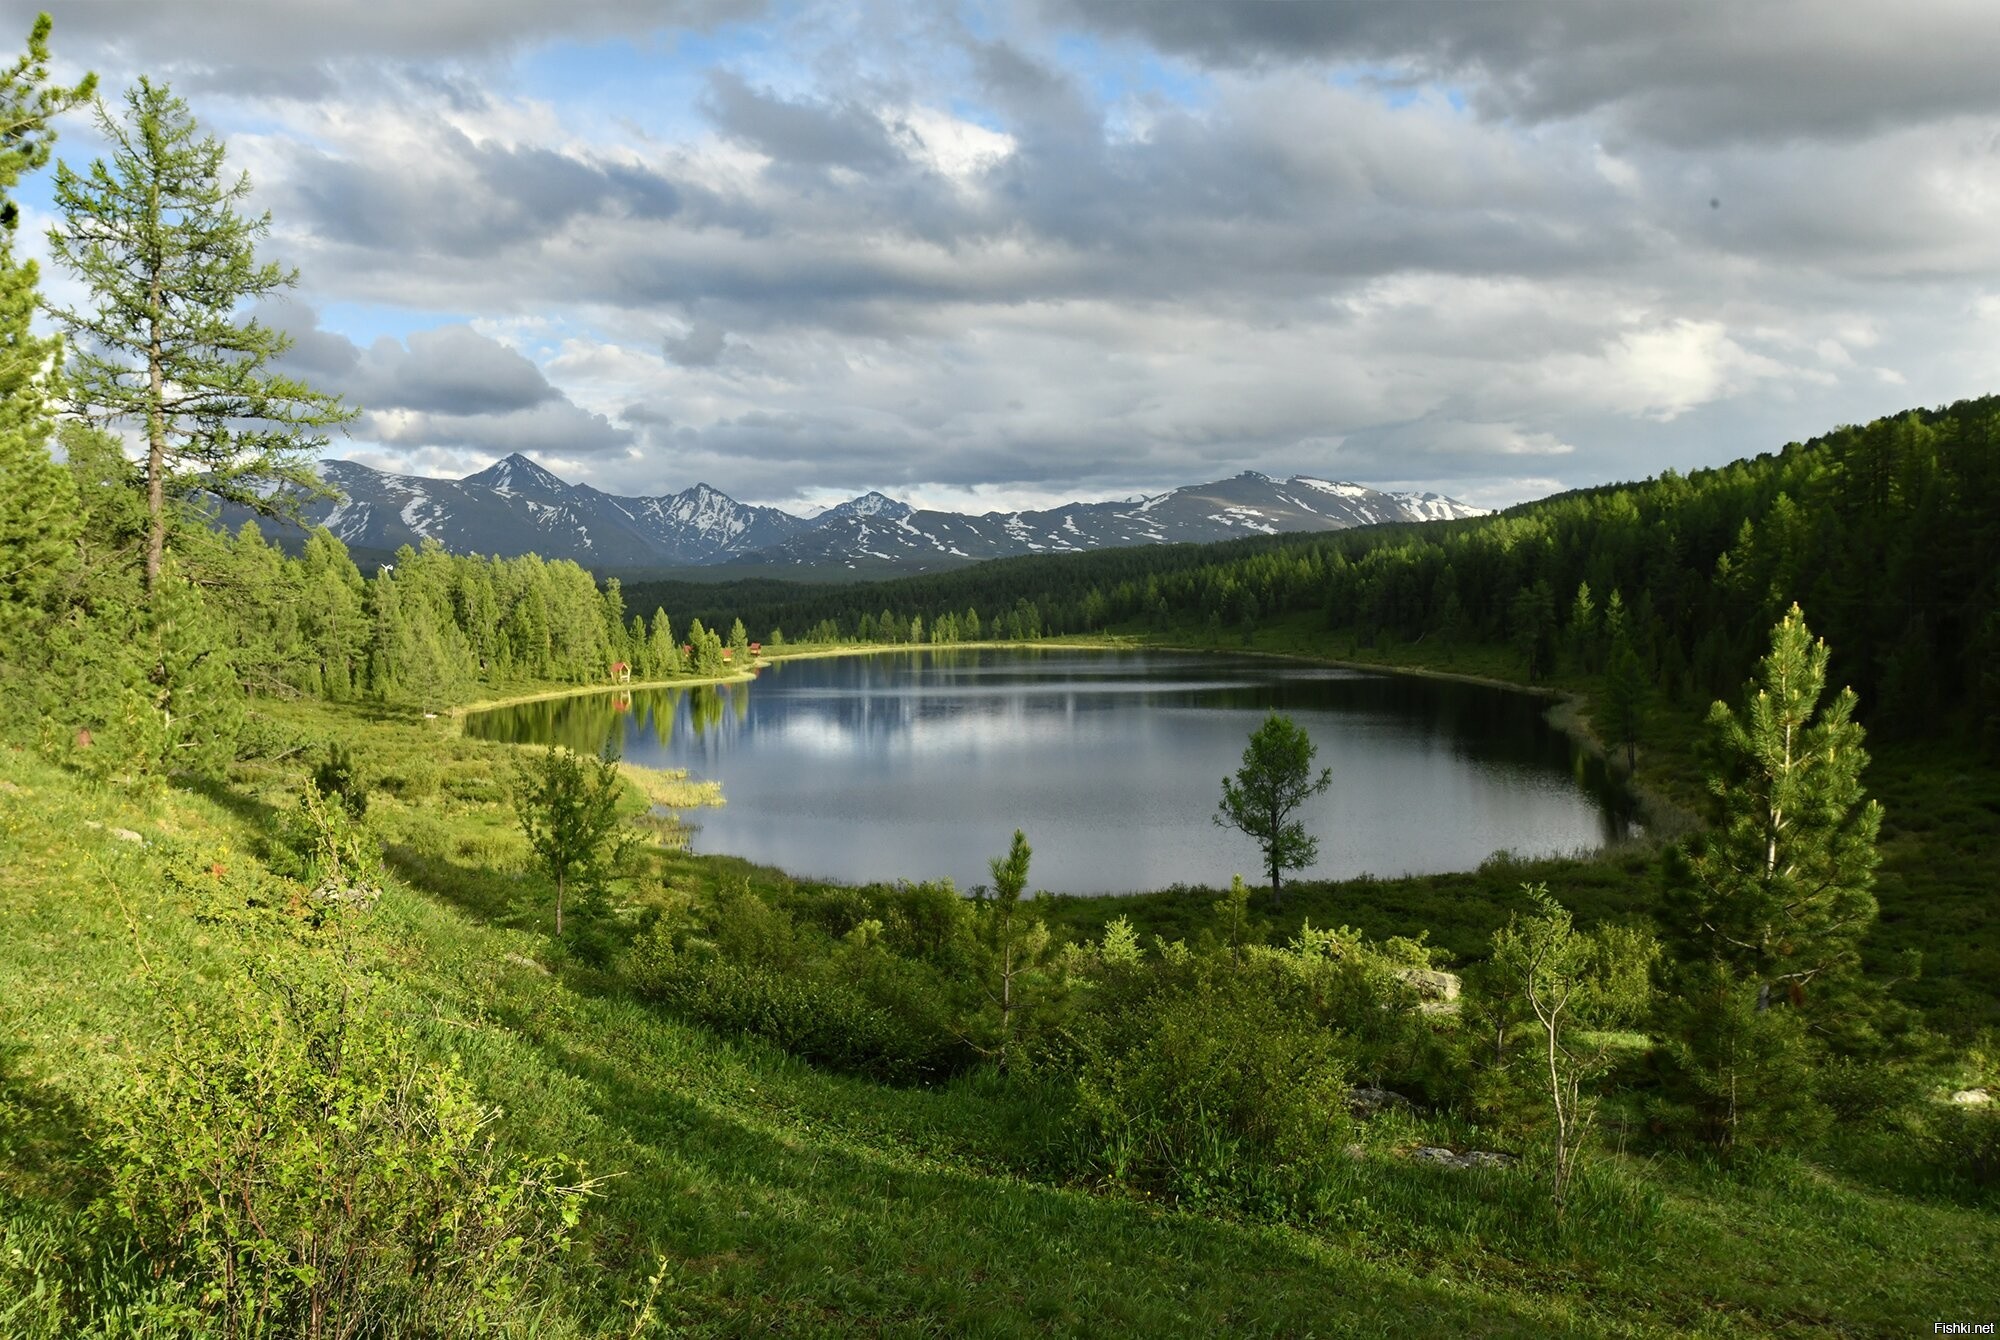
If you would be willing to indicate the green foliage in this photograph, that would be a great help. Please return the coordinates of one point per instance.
(143, 690)
(1563, 977)
(1732, 1077)
(1015, 943)
(341, 860)
(1778, 886)
(155, 237)
(870, 983)
(339, 777)
(299, 1162)
(1275, 779)
(567, 807)
(1963, 1141)
(1623, 704)
(38, 507)
(1213, 1094)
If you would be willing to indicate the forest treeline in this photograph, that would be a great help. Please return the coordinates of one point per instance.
(1888, 534)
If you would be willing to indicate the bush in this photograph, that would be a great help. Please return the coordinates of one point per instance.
(338, 776)
(1733, 1077)
(1963, 1142)
(865, 1014)
(1213, 1094)
(299, 1163)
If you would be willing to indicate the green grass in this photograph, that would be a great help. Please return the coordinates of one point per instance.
(784, 1200)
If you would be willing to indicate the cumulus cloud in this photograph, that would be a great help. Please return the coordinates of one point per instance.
(1689, 74)
(1084, 248)
(450, 388)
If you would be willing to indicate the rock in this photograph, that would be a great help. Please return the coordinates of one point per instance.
(1430, 983)
(523, 961)
(1363, 1101)
(8, 788)
(127, 835)
(1471, 1158)
(1972, 1097)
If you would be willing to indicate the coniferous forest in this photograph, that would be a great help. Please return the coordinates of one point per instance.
(319, 1016)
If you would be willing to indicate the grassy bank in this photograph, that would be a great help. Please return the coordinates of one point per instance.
(784, 1200)
(754, 1193)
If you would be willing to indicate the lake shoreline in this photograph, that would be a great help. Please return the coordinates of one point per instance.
(1568, 712)
(1450, 837)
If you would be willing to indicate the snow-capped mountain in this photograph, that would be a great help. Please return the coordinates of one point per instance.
(1249, 504)
(517, 507)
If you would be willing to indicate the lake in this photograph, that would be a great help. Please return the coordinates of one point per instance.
(919, 765)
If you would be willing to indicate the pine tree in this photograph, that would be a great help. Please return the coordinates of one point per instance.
(739, 644)
(332, 621)
(156, 238)
(1778, 887)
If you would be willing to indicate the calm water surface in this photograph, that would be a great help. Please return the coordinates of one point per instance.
(920, 765)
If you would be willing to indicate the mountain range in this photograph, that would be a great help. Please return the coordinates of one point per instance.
(516, 507)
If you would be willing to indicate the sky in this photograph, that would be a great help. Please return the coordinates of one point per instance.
(995, 255)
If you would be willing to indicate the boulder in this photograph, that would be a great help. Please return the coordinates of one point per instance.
(1430, 983)
(1972, 1097)
(1363, 1101)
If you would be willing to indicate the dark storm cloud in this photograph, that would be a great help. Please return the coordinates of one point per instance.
(1687, 74)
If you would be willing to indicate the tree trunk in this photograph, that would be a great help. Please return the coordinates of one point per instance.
(156, 450)
(559, 894)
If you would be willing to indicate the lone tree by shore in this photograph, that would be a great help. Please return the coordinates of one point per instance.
(1275, 779)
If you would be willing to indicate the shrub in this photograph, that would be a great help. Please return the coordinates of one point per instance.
(298, 1161)
(866, 1013)
(1963, 1141)
(1733, 1077)
(1214, 1094)
(338, 776)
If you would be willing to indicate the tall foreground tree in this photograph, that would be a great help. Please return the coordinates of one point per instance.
(1778, 889)
(37, 501)
(1275, 779)
(157, 237)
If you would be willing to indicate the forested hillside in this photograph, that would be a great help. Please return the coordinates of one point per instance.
(1887, 534)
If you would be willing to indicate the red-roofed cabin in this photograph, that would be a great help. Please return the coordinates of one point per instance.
(687, 648)
(621, 673)
(728, 655)
(756, 649)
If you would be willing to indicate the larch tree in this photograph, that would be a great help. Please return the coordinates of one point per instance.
(38, 509)
(1260, 800)
(1016, 942)
(567, 805)
(157, 237)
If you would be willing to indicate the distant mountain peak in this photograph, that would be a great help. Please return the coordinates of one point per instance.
(515, 506)
(516, 474)
(869, 504)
